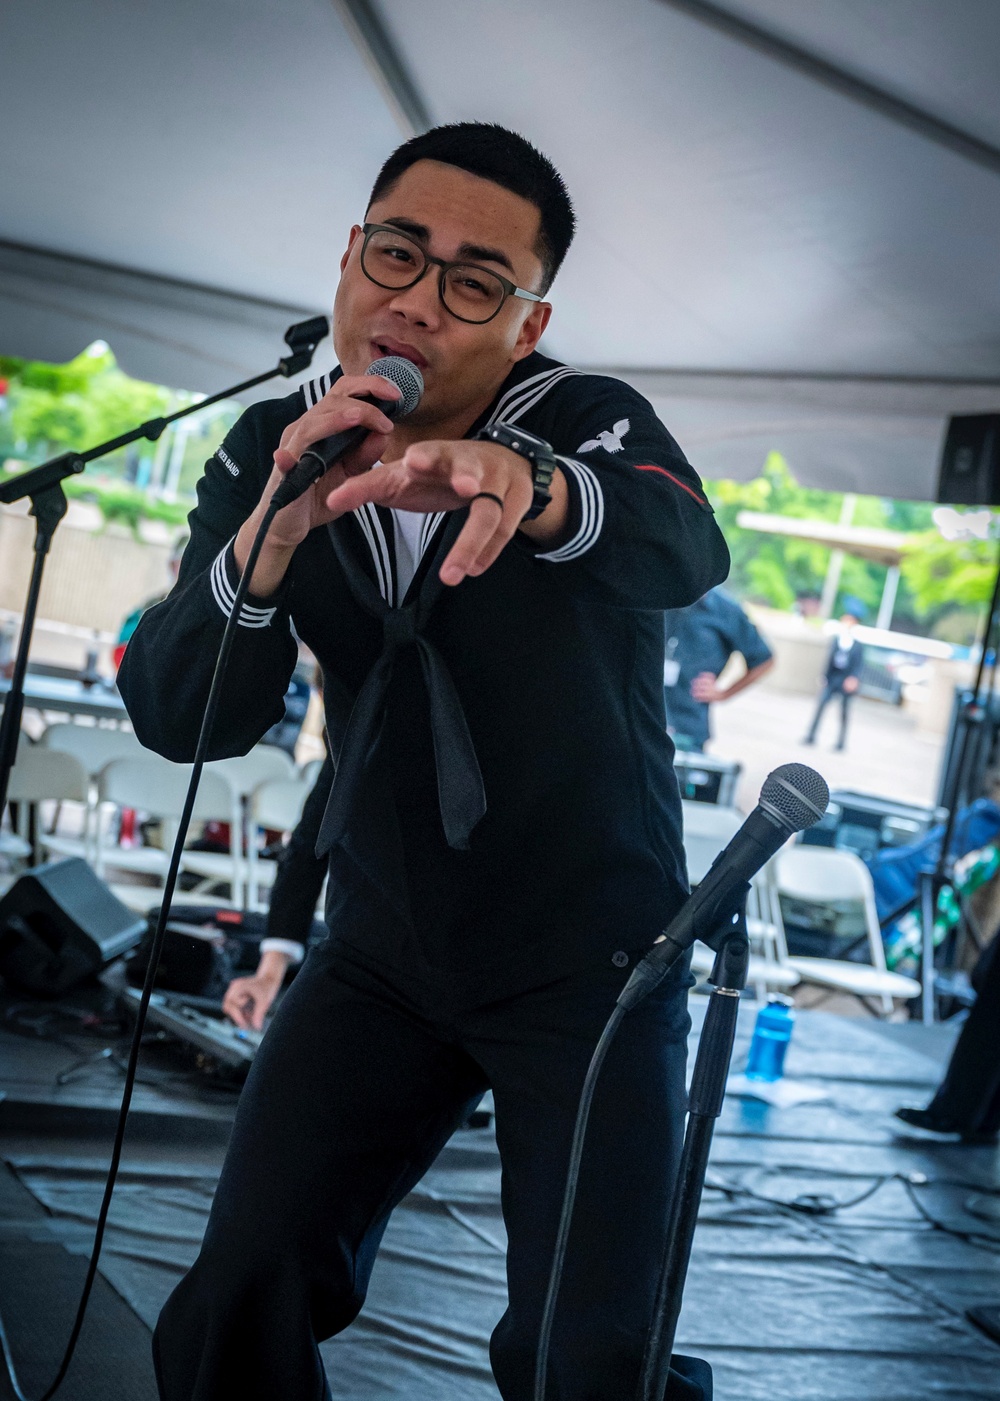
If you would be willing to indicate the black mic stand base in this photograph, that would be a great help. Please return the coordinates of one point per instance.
(708, 1089)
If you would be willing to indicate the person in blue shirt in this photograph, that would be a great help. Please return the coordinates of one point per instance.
(699, 641)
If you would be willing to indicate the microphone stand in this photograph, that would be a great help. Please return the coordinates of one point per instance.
(708, 1089)
(48, 505)
(971, 731)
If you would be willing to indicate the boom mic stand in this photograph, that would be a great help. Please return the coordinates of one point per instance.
(48, 505)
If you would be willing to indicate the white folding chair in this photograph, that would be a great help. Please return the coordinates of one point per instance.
(309, 772)
(244, 773)
(276, 806)
(158, 788)
(821, 874)
(94, 746)
(768, 969)
(708, 829)
(39, 775)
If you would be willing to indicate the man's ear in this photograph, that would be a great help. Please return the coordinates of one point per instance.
(355, 235)
(532, 329)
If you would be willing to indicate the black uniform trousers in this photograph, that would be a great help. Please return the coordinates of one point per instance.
(357, 1086)
(969, 1094)
(831, 690)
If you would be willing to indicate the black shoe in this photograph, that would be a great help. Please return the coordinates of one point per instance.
(809, 739)
(934, 1123)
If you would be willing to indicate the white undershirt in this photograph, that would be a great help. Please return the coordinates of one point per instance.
(407, 526)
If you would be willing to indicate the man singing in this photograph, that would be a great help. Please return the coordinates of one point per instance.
(504, 826)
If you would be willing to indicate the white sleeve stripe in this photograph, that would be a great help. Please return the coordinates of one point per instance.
(222, 592)
(228, 594)
(592, 502)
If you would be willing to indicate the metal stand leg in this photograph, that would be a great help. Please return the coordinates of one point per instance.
(928, 908)
(48, 507)
(708, 1088)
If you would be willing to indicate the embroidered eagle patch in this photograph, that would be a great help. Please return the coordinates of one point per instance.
(610, 439)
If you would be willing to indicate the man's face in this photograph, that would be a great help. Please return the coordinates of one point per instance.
(455, 216)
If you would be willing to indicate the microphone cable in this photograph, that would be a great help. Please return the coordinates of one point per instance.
(204, 737)
(569, 1196)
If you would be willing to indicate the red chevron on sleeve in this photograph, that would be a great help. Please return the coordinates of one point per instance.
(648, 467)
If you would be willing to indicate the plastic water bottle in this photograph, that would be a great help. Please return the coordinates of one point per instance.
(771, 1035)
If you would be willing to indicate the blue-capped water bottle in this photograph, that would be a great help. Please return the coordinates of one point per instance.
(771, 1035)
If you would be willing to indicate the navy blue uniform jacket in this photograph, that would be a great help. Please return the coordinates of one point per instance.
(557, 659)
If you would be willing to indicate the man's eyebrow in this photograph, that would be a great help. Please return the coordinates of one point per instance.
(486, 255)
(410, 226)
(468, 250)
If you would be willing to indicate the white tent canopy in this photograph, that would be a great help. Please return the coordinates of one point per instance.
(788, 212)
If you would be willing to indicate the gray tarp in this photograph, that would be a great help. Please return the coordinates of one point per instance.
(862, 1305)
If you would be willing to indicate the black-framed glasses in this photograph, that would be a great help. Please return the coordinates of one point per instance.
(392, 259)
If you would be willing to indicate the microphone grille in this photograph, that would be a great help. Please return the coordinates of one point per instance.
(405, 375)
(796, 794)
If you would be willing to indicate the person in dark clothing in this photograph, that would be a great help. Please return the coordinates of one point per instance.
(699, 642)
(843, 668)
(967, 1101)
(297, 885)
(503, 828)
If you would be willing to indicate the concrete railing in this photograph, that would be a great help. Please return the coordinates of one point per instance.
(96, 574)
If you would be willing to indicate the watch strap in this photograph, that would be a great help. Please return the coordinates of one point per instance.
(536, 452)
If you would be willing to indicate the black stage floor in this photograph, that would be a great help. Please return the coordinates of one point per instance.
(864, 1303)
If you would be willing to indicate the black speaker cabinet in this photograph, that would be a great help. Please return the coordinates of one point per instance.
(60, 923)
(970, 464)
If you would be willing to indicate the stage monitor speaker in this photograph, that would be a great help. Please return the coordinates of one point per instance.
(59, 923)
(969, 474)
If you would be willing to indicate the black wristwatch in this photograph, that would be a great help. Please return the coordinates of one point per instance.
(536, 450)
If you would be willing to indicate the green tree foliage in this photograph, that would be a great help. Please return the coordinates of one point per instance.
(942, 575)
(943, 583)
(85, 401)
(89, 400)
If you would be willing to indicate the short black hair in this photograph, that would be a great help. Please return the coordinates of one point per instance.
(494, 153)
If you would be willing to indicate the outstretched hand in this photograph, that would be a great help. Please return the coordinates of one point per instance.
(445, 476)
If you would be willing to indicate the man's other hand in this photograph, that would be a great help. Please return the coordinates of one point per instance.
(248, 1000)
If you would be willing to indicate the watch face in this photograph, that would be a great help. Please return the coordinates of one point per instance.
(514, 435)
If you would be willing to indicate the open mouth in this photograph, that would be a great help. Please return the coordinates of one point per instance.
(405, 352)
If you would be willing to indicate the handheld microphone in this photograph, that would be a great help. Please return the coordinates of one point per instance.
(320, 456)
(792, 798)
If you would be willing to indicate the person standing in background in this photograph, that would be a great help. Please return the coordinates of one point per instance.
(698, 643)
(841, 678)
